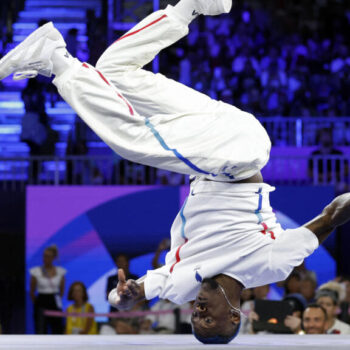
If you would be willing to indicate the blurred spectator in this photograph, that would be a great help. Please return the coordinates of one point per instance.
(165, 177)
(71, 40)
(132, 325)
(119, 326)
(97, 36)
(328, 297)
(121, 262)
(48, 281)
(36, 131)
(292, 283)
(80, 325)
(345, 303)
(247, 295)
(248, 308)
(315, 319)
(163, 246)
(333, 170)
(308, 287)
(77, 170)
(298, 304)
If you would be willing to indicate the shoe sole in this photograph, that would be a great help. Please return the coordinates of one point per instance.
(5, 62)
(220, 7)
(226, 6)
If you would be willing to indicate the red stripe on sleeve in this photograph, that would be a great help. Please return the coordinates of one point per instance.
(103, 78)
(177, 256)
(119, 95)
(130, 108)
(139, 30)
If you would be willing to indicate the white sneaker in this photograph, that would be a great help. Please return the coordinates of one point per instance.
(213, 7)
(33, 55)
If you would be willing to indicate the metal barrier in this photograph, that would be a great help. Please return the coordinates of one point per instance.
(294, 131)
(312, 170)
(111, 170)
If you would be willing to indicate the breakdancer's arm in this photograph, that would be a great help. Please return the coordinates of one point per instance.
(127, 293)
(335, 214)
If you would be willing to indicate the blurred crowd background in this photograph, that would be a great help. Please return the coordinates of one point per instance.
(271, 58)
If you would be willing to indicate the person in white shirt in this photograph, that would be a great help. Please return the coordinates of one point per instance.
(225, 237)
(46, 290)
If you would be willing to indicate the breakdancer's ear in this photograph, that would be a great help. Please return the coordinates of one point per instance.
(235, 318)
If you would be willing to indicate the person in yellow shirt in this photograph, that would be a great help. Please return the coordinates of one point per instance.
(80, 325)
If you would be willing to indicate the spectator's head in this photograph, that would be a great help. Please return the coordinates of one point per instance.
(247, 294)
(297, 302)
(122, 262)
(33, 97)
(325, 137)
(292, 283)
(315, 319)
(346, 284)
(73, 32)
(308, 287)
(42, 21)
(328, 299)
(261, 292)
(214, 320)
(50, 254)
(77, 292)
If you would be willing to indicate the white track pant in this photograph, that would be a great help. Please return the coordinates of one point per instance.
(152, 120)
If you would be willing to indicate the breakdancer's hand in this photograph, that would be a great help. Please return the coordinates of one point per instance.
(127, 293)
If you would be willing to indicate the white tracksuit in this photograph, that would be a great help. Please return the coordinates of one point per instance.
(149, 119)
(223, 227)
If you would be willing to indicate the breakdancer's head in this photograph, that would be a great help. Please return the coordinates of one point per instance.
(214, 319)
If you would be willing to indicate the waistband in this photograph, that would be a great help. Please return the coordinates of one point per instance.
(205, 185)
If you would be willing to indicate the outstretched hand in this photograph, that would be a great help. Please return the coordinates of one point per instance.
(127, 293)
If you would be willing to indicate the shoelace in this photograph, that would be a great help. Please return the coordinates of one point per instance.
(25, 74)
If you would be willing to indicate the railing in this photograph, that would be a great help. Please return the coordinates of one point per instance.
(77, 170)
(294, 131)
(111, 170)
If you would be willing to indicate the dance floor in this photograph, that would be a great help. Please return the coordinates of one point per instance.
(183, 342)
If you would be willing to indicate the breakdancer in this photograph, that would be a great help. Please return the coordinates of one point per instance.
(225, 237)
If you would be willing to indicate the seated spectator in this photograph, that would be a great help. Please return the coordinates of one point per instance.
(341, 61)
(298, 304)
(345, 303)
(292, 283)
(165, 177)
(328, 297)
(247, 295)
(315, 319)
(132, 325)
(248, 308)
(333, 170)
(308, 287)
(164, 245)
(75, 324)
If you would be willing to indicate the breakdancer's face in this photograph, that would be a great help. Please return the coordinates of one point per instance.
(212, 316)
